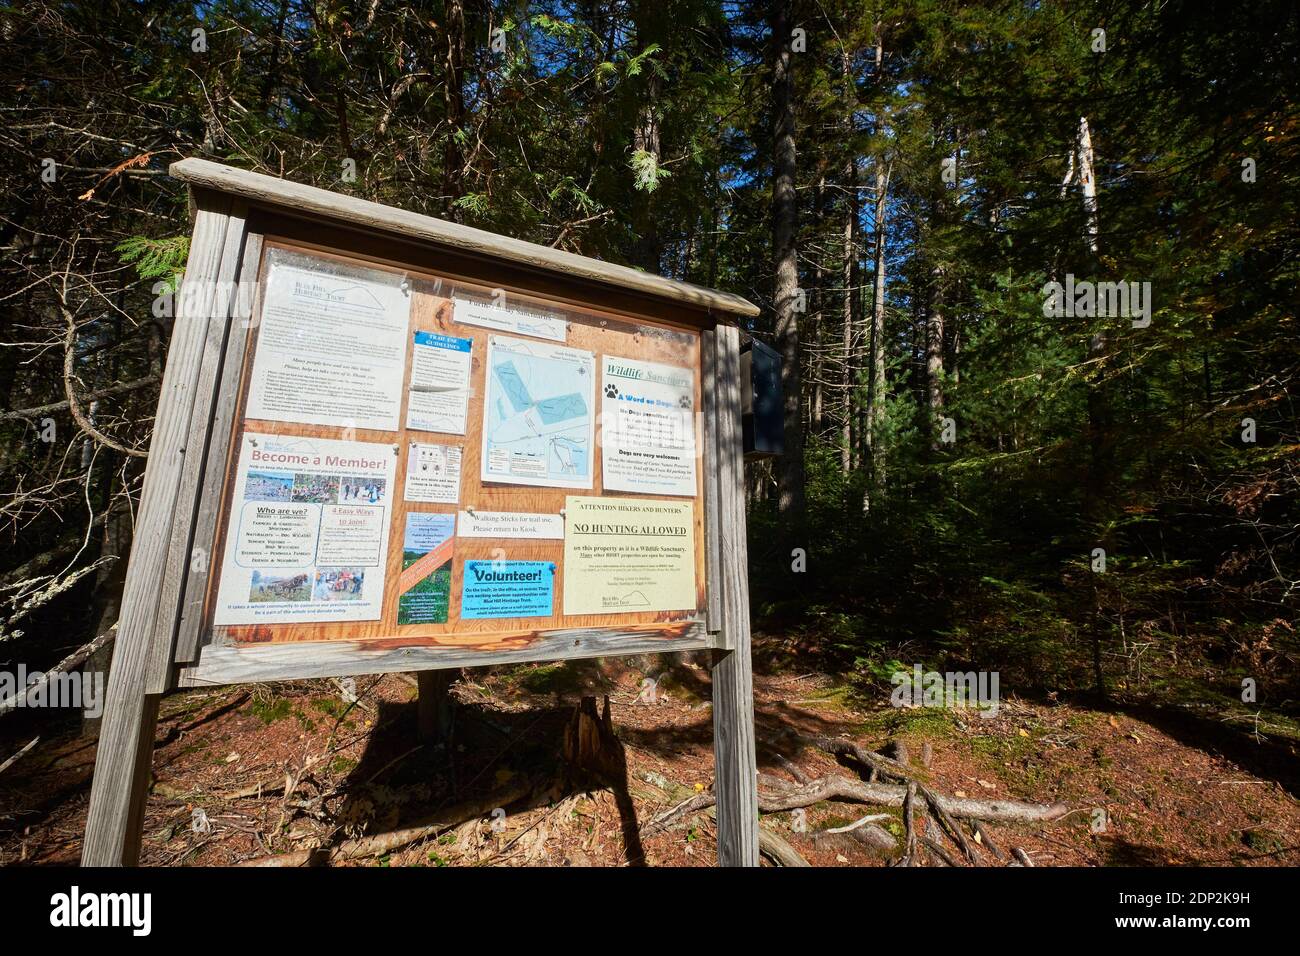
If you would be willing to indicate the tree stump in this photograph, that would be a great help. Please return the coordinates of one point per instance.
(594, 757)
(591, 750)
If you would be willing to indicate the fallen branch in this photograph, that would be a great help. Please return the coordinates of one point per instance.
(687, 808)
(39, 410)
(77, 657)
(18, 756)
(383, 843)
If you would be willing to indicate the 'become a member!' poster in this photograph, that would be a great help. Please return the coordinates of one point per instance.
(307, 532)
(623, 555)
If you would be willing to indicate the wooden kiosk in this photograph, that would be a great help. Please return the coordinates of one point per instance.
(387, 443)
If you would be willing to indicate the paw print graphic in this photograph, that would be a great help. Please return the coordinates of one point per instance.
(611, 391)
(684, 401)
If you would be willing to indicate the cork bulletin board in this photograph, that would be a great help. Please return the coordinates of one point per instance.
(434, 536)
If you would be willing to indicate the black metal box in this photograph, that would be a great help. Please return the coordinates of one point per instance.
(762, 408)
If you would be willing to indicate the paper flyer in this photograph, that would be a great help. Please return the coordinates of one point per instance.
(433, 473)
(439, 393)
(647, 428)
(424, 590)
(518, 319)
(331, 346)
(628, 554)
(307, 534)
(538, 419)
(511, 524)
(506, 589)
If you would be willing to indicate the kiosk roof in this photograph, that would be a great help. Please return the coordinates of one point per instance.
(309, 201)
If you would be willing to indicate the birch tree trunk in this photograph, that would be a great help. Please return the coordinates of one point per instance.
(790, 480)
(934, 329)
(1100, 416)
(1099, 412)
(849, 377)
(876, 385)
(817, 332)
(1088, 183)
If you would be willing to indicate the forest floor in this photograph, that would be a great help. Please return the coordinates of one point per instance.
(1177, 786)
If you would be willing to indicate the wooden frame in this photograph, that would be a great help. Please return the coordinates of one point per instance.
(163, 637)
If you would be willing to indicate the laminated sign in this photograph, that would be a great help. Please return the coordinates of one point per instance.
(307, 537)
(648, 427)
(628, 554)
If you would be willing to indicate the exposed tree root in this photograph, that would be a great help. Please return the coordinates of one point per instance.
(834, 787)
(938, 851)
(986, 841)
(909, 821)
(777, 850)
(942, 813)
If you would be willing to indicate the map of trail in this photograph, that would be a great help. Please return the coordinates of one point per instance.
(538, 426)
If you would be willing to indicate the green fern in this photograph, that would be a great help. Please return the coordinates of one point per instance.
(476, 203)
(648, 172)
(156, 258)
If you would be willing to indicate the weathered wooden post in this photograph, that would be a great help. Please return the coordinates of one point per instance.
(188, 392)
(376, 451)
(734, 748)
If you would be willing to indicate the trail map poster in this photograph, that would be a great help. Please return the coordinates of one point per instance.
(307, 533)
(628, 554)
(538, 415)
(331, 347)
